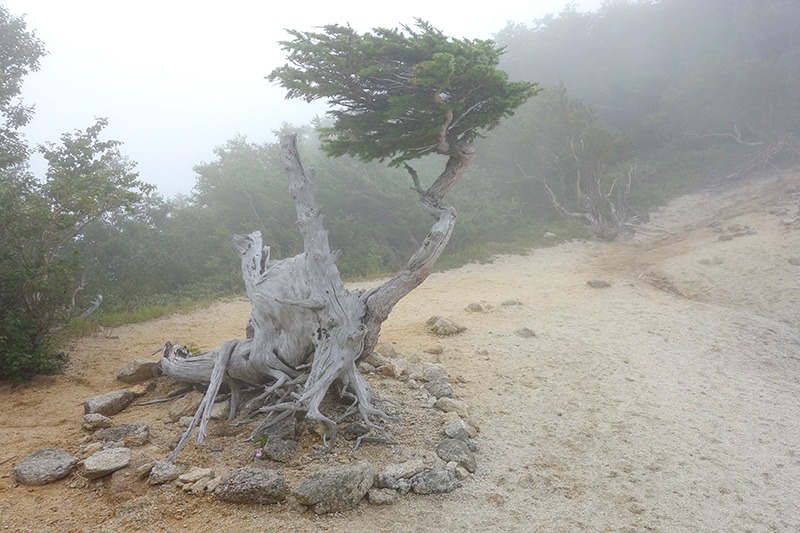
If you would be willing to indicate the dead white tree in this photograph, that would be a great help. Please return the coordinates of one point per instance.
(397, 94)
(307, 331)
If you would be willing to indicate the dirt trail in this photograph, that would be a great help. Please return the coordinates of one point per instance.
(666, 402)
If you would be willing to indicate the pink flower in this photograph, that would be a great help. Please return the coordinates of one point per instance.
(258, 452)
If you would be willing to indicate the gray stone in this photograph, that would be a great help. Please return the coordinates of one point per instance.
(440, 388)
(144, 470)
(163, 472)
(598, 283)
(95, 421)
(446, 327)
(252, 485)
(336, 489)
(457, 429)
(201, 485)
(44, 466)
(285, 429)
(434, 371)
(408, 469)
(458, 451)
(353, 430)
(136, 371)
(109, 403)
(130, 434)
(196, 474)
(378, 496)
(474, 308)
(221, 410)
(365, 368)
(525, 333)
(794, 261)
(280, 450)
(106, 462)
(452, 405)
(186, 406)
(386, 350)
(460, 472)
(385, 481)
(376, 360)
(435, 482)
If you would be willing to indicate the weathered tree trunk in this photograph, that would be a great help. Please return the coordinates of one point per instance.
(308, 331)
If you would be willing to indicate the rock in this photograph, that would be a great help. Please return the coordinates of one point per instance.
(510, 303)
(457, 429)
(794, 261)
(336, 489)
(449, 405)
(105, 462)
(109, 403)
(44, 466)
(85, 451)
(386, 350)
(196, 474)
(126, 483)
(445, 327)
(365, 368)
(280, 450)
(410, 468)
(201, 485)
(164, 472)
(434, 371)
(186, 406)
(353, 430)
(285, 429)
(391, 370)
(378, 496)
(385, 481)
(376, 360)
(252, 485)
(460, 472)
(130, 434)
(95, 421)
(525, 333)
(221, 410)
(136, 371)
(144, 470)
(549, 235)
(140, 389)
(458, 451)
(435, 482)
(440, 388)
(435, 350)
(474, 308)
(598, 284)
(212, 485)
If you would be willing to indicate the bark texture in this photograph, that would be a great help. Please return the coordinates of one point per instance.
(306, 330)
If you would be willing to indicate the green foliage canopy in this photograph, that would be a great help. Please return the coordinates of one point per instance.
(399, 93)
(20, 51)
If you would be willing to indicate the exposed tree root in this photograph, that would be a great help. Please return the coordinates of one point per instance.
(306, 331)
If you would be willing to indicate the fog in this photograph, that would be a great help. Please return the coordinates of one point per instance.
(175, 79)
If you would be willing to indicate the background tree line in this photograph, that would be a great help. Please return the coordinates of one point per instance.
(641, 101)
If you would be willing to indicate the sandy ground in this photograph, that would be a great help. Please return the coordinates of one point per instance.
(667, 402)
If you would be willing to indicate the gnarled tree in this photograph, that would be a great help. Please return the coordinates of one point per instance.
(396, 94)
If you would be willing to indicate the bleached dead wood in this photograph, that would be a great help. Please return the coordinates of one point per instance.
(306, 330)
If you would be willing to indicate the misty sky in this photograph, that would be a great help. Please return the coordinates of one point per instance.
(176, 78)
